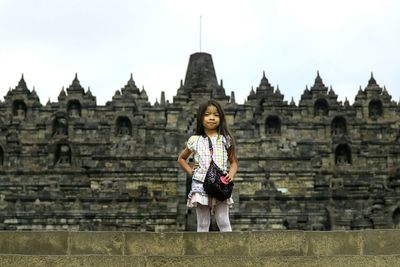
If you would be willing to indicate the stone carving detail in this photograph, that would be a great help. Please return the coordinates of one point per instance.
(1, 156)
(321, 107)
(343, 155)
(63, 155)
(124, 126)
(375, 108)
(336, 183)
(396, 219)
(74, 109)
(273, 126)
(3, 203)
(394, 180)
(339, 126)
(19, 109)
(60, 126)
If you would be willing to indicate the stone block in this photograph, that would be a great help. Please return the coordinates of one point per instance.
(34, 243)
(71, 261)
(221, 261)
(216, 243)
(276, 243)
(144, 244)
(104, 243)
(333, 243)
(381, 242)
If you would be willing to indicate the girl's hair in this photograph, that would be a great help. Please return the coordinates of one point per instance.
(222, 128)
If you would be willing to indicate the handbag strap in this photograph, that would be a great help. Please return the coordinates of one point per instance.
(210, 146)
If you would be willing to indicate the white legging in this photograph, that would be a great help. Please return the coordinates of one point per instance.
(221, 216)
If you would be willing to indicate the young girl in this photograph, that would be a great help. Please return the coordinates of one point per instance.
(210, 123)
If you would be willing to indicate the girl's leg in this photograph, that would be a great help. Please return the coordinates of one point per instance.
(222, 217)
(203, 218)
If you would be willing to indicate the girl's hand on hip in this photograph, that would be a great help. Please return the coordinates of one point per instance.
(194, 167)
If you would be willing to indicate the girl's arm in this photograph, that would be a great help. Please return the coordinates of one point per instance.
(233, 165)
(182, 161)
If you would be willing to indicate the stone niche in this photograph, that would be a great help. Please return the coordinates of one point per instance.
(74, 109)
(375, 109)
(321, 107)
(19, 109)
(124, 126)
(272, 125)
(339, 126)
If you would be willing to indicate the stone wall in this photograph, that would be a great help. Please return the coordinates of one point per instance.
(318, 165)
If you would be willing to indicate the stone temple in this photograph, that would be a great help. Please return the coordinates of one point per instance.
(318, 165)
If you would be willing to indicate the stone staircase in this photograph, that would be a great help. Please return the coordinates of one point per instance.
(262, 248)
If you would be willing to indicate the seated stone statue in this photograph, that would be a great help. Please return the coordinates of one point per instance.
(320, 111)
(64, 156)
(123, 128)
(274, 129)
(338, 130)
(21, 111)
(3, 202)
(74, 110)
(336, 183)
(374, 111)
(316, 226)
(342, 159)
(61, 126)
(271, 130)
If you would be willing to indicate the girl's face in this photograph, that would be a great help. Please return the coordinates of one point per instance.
(211, 118)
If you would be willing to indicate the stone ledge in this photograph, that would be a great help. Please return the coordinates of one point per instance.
(229, 261)
(34, 243)
(257, 243)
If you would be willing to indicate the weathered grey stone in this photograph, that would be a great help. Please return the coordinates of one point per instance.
(228, 261)
(234, 243)
(333, 243)
(34, 243)
(147, 244)
(378, 242)
(71, 261)
(276, 243)
(104, 243)
(270, 261)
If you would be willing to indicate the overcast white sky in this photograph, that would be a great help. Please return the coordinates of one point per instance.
(105, 41)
